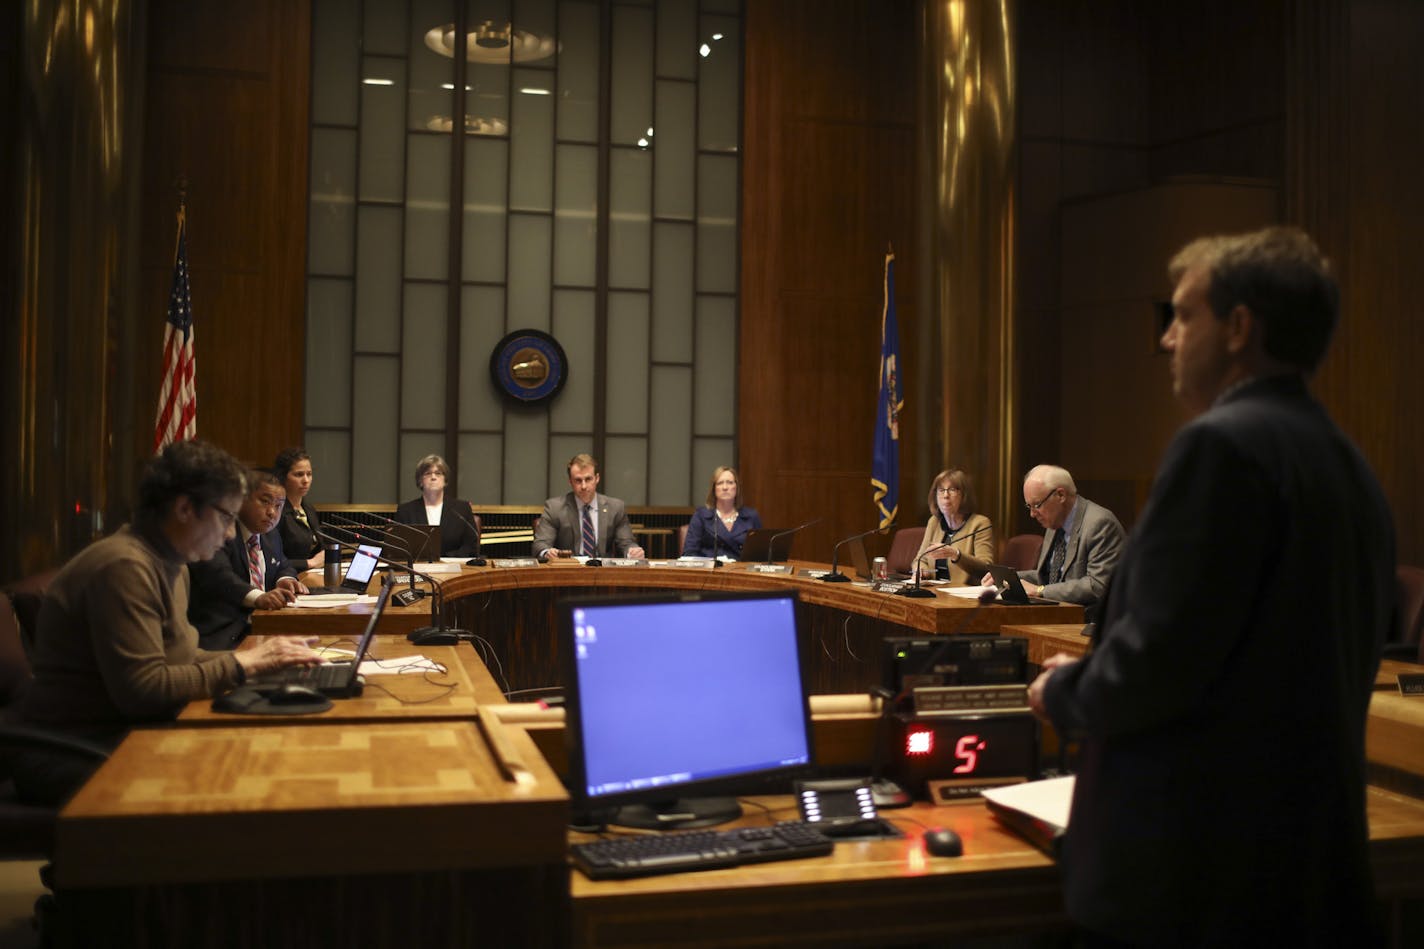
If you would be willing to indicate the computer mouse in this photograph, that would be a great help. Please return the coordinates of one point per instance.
(293, 694)
(943, 842)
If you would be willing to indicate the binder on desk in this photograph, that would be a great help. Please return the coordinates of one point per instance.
(1036, 810)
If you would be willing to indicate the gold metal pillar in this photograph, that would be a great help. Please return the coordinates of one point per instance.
(69, 138)
(969, 162)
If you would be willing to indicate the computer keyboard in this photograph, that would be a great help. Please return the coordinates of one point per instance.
(681, 851)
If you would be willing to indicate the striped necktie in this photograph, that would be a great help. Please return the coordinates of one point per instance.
(590, 542)
(255, 573)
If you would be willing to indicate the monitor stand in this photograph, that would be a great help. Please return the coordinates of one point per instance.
(681, 814)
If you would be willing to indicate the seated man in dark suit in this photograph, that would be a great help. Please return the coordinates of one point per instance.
(584, 522)
(1082, 541)
(249, 572)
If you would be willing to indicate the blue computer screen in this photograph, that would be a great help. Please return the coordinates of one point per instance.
(671, 693)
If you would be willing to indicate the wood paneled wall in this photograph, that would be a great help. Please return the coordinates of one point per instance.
(226, 108)
(828, 181)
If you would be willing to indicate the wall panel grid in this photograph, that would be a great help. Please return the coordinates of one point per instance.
(593, 196)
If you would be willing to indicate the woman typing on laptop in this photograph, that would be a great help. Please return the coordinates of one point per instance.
(113, 645)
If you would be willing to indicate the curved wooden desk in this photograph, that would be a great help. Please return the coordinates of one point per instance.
(513, 609)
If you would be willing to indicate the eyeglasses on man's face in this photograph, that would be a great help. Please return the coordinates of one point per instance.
(1033, 506)
(228, 518)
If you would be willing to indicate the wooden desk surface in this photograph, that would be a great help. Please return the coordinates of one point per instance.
(456, 693)
(941, 614)
(890, 891)
(189, 805)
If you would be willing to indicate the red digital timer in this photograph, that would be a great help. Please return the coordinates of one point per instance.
(961, 755)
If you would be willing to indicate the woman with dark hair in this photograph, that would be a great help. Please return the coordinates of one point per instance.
(953, 522)
(458, 535)
(113, 645)
(723, 523)
(300, 523)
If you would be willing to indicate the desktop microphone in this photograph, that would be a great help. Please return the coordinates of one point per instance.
(406, 597)
(715, 519)
(918, 592)
(886, 792)
(478, 559)
(771, 544)
(835, 576)
(437, 633)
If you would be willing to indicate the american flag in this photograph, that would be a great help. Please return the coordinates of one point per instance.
(177, 398)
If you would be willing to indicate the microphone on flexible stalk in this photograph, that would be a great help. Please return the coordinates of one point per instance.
(478, 560)
(920, 592)
(437, 633)
(405, 597)
(771, 544)
(835, 576)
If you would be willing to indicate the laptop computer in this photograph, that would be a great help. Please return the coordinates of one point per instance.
(337, 680)
(758, 545)
(1011, 588)
(358, 573)
(419, 543)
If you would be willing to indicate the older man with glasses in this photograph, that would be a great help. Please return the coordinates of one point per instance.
(1082, 540)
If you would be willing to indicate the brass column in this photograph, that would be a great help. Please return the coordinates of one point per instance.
(968, 146)
(68, 143)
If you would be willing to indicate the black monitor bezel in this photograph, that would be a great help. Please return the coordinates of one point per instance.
(767, 781)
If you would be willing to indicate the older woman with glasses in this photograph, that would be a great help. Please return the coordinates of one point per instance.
(955, 536)
(458, 535)
(113, 645)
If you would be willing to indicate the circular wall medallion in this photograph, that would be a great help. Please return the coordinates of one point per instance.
(529, 366)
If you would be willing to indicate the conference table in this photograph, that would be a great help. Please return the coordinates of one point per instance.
(429, 811)
(512, 609)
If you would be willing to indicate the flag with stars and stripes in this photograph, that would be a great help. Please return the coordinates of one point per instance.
(177, 397)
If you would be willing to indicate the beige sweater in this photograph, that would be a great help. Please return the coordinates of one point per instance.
(113, 645)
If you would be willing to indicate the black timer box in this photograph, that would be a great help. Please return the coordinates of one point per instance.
(947, 758)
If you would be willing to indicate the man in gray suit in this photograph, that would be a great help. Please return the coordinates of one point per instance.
(1081, 544)
(584, 522)
(1220, 791)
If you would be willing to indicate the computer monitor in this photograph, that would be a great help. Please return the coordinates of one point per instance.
(673, 698)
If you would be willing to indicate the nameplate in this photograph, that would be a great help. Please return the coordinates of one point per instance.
(1411, 683)
(966, 699)
(622, 562)
(515, 562)
(951, 791)
(771, 568)
(698, 563)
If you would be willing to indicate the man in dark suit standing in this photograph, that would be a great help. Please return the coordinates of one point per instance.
(584, 522)
(1220, 796)
(249, 572)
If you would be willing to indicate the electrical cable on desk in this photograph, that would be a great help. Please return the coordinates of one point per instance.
(845, 637)
(445, 687)
(485, 650)
(541, 694)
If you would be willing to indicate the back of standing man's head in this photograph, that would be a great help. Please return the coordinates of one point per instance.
(1281, 277)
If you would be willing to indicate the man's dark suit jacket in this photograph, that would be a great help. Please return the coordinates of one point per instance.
(1220, 795)
(220, 586)
(559, 527)
(299, 541)
(457, 525)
